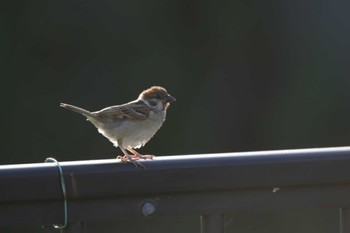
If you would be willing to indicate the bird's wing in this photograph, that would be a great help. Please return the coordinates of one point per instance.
(133, 111)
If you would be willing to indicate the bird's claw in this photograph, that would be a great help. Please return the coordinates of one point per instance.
(125, 159)
(146, 156)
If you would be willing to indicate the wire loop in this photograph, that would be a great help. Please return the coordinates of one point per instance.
(63, 185)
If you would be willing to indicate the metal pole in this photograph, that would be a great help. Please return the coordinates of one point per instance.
(212, 223)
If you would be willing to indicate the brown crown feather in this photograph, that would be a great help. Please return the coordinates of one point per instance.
(153, 92)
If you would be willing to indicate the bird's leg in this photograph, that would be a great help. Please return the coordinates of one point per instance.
(129, 158)
(137, 155)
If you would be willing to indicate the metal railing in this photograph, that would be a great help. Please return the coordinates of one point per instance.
(207, 185)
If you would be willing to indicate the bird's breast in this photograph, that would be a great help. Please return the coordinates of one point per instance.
(133, 133)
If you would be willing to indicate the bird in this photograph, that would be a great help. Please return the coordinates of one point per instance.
(131, 125)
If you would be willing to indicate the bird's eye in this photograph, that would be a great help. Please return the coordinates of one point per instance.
(158, 96)
(152, 103)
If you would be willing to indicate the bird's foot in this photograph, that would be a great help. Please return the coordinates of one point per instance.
(140, 156)
(130, 159)
(137, 155)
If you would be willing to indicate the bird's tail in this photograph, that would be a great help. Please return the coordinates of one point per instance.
(77, 109)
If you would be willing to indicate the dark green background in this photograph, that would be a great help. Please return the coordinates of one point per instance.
(248, 75)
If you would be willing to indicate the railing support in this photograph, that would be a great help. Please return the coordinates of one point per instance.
(212, 223)
(74, 228)
(344, 220)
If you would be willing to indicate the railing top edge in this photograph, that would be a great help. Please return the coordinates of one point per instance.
(316, 152)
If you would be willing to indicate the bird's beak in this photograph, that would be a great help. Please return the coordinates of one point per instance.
(170, 99)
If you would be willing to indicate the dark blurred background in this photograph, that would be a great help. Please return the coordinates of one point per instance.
(247, 75)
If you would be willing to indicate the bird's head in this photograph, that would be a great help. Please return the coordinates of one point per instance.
(157, 98)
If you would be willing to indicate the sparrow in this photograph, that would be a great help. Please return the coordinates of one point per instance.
(130, 126)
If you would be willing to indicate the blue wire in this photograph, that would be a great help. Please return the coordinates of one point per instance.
(63, 185)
